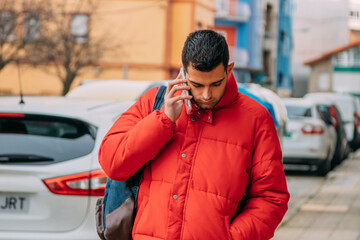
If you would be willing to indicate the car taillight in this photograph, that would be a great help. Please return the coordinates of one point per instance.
(333, 115)
(356, 120)
(89, 184)
(312, 129)
(17, 115)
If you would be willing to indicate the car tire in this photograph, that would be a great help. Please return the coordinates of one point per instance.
(324, 167)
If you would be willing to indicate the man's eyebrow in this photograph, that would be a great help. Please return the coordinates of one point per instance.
(202, 84)
(194, 82)
(218, 81)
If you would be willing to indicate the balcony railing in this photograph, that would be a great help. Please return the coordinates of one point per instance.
(232, 10)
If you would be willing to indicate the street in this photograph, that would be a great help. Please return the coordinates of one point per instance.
(302, 186)
(324, 208)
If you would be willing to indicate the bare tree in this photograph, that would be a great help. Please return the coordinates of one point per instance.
(66, 42)
(19, 29)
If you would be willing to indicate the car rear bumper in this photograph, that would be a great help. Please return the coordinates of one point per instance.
(309, 149)
(86, 231)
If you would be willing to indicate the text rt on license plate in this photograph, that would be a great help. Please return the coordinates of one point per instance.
(16, 203)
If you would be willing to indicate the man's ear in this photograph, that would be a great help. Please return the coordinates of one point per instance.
(230, 67)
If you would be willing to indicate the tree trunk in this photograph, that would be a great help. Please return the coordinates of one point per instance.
(67, 84)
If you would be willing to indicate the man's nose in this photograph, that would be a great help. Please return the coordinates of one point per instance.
(207, 94)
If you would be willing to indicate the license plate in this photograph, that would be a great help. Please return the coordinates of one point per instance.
(16, 203)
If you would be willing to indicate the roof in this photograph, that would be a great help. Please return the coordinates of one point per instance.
(94, 111)
(331, 53)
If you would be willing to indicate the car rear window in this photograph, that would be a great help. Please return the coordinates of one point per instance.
(298, 111)
(41, 139)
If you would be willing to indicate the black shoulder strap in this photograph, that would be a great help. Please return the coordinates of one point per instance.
(159, 98)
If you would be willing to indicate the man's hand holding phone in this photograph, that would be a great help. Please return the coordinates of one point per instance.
(174, 104)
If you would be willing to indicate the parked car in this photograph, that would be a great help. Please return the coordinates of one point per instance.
(350, 115)
(121, 90)
(332, 114)
(50, 178)
(309, 139)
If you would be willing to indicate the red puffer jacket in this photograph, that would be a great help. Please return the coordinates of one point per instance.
(200, 170)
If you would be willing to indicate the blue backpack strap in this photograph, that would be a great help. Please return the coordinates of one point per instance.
(117, 192)
(159, 98)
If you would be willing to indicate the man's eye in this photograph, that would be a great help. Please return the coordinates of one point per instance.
(196, 86)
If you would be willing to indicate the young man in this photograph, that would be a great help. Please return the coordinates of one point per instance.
(214, 174)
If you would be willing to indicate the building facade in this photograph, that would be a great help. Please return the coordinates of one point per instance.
(318, 26)
(284, 49)
(259, 34)
(147, 36)
(234, 19)
(337, 70)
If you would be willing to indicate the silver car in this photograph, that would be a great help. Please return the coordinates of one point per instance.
(50, 177)
(309, 139)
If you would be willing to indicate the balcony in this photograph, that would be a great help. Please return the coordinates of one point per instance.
(232, 10)
(239, 56)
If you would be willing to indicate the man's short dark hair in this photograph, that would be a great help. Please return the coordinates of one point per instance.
(205, 50)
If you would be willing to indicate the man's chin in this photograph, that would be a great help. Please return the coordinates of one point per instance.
(206, 106)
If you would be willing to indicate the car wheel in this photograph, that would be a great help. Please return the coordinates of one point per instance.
(324, 167)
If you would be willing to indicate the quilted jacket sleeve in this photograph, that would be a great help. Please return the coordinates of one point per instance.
(135, 138)
(267, 195)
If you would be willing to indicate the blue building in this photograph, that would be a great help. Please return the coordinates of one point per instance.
(285, 40)
(258, 32)
(241, 23)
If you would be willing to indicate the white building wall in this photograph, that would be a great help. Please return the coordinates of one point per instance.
(348, 82)
(318, 26)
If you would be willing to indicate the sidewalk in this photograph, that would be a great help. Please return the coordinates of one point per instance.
(333, 213)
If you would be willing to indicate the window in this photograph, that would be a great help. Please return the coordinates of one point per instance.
(295, 111)
(285, 44)
(280, 79)
(7, 24)
(282, 35)
(31, 26)
(354, 14)
(42, 139)
(79, 27)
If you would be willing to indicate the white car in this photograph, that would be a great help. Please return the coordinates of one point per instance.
(50, 178)
(348, 108)
(309, 139)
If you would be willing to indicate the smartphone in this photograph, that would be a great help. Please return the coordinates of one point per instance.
(187, 101)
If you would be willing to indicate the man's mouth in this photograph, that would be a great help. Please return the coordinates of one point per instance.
(206, 102)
